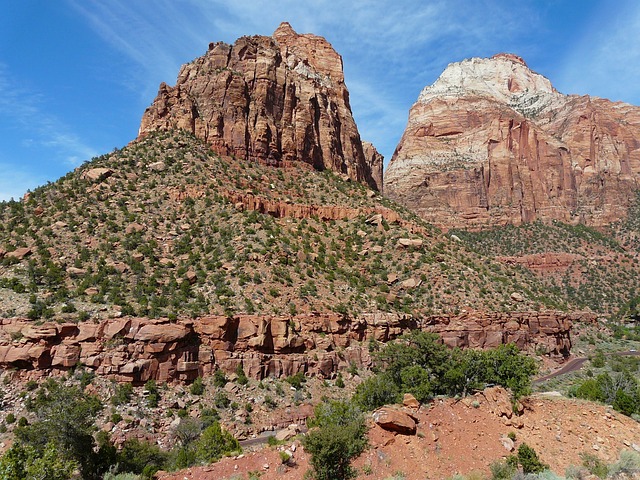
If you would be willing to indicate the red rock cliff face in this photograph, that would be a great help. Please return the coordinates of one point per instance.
(271, 99)
(138, 349)
(493, 143)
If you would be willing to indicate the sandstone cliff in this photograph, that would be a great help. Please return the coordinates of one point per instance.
(492, 142)
(137, 349)
(272, 99)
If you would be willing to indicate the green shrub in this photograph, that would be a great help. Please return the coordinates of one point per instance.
(529, 461)
(123, 394)
(375, 392)
(594, 465)
(503, 469)
(197, 387)
(219, 379)
(338, 437)
(221, 400)
(214, 443)
(297, 381)
(242, 377)
(628, 465)
(141, 458)
(153, 394)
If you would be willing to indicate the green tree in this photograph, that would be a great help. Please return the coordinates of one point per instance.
(529, 461)
(141, 458)
(22, 462)
(376, 391)
(65, 417)
(338, 437)
(214, 443)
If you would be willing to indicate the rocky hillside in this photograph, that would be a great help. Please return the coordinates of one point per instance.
(286, 260)
(273, 100)
(493, 143)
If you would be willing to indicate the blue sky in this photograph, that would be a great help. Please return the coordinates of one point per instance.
(76, 75)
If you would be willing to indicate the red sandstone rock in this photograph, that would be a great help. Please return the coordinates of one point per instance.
(410, 401)
(96, 174)
(492, 143)
(270, 99)
(395, 420)
(19, 253)
(137, 349)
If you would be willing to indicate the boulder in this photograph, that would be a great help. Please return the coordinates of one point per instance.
(96, 174)
(395, 420)
(410, 401)
(19, 253)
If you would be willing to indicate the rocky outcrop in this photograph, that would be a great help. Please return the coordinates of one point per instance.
(548, 262)
(492, 143)
(272, 99)
(375, 164)
(138, 349)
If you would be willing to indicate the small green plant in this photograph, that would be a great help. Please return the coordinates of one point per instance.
(512, 436)
(11, 418)
(123, 394)
(219, 379)
(296, 380)
(594, 465)
(285, 458)
(242, 377)
(197, 387)
(529, 461)
(270, 402)
(221, 400)
(153, 394)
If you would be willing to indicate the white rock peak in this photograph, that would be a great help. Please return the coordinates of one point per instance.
(504, 78)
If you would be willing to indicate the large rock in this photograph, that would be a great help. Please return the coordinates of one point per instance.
(272, 99)
(395, 420)
(492, 142)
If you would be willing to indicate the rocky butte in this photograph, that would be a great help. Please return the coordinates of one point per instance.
(275, 100)
(491, 143)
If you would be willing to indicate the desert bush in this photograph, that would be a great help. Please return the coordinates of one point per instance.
(338, 435)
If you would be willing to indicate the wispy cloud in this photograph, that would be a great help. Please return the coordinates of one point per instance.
(37, 126)
(397, 46)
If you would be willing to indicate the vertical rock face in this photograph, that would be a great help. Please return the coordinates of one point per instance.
(492, 142)
(375, 162)
(272, 99)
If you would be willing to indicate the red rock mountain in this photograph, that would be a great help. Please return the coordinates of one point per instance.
(492, 142)
(272, 99)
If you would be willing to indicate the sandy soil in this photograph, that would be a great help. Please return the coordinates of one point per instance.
(457, 437)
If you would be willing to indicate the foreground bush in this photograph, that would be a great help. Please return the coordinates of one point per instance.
(338, 435)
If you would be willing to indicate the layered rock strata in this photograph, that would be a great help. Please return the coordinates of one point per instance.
(492, 143)
(138, 349)
(272, 99)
